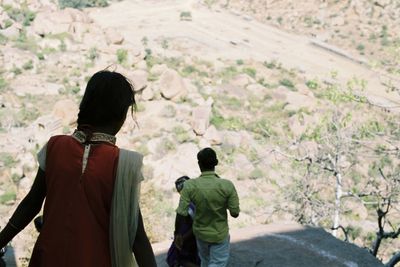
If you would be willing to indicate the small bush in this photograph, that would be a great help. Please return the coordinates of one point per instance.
(122, 56)
(3, 84)
(187, 70)
(82, 3)
(239, 62)
(185, 15)
(3, 39)
(250, 71)
(287, 83)
(93, 54)
(40, 55)
(8, 197)
(181, 134)
(7, 159)
(312, 84)
(272, 64)
(28, 65)
(23, 15)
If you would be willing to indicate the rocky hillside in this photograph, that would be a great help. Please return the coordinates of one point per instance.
(286, 136)
(368, 29)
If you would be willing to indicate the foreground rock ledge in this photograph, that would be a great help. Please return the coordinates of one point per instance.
(287, 245)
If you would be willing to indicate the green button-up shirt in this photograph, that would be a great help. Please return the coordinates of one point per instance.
(212, 196)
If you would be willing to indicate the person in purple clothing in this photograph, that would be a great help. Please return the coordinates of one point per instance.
(183, 251)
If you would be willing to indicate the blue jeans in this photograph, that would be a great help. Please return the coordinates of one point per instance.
(213, 254)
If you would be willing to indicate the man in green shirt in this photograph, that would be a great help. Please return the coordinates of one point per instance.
(212, 196)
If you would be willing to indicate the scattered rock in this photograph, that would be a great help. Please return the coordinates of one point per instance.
(201, 119)
(148, 94)
(67, 110)
(34, 85)
(12, 31)
(113, 36)
(55, 22)
(172, 86)
(241, 80)
(242, 164)
(213, 136)
(141, 65)
(138, 79)
(158, 69)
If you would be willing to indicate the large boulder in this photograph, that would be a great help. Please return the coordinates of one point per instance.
(213, 136)
(113, 36)
(138, 79)
(242, 80)
(66, 110)
(201, 119)
(33, 85)
(60, 21)
(172, 86)
(158, 69)
(182, 162)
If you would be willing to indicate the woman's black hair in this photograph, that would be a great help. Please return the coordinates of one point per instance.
(107, 98)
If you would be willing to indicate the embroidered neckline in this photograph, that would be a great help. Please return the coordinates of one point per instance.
(80, 136)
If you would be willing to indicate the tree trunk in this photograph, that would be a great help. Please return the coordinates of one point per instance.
(395, 259)
(339, 193)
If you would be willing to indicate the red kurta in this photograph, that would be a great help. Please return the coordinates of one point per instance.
(76, 214)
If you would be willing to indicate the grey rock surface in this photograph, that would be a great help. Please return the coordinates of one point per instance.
(287, 245)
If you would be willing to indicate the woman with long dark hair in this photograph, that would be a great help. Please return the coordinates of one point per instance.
(90, 188)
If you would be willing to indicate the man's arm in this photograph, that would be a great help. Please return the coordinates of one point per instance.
(141, 246)
(26, 210)
(233, 202)
(184, 201)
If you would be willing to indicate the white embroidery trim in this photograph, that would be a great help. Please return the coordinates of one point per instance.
(85, 157)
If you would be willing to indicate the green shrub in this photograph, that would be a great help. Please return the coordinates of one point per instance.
(3, 39)
(187, 70)
(360, 47)
(239, 62)
(250, 71)
(8, 197)
(312, 84)
(23, 15)
(40, 55)
(28, 65)
(287, 83)
(3, 84)
(82, 3)
(16, 70)
(122, 56)
(272, 65)
(7, 159)
(353, 231)
(185, 15)
(93, 54)
(181, 134)
(228, 73)
(256, 174)
(27, 115)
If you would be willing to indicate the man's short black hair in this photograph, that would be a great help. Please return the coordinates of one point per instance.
(207, 158)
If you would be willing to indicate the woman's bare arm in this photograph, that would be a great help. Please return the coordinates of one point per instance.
(28, 208)
(142, 248)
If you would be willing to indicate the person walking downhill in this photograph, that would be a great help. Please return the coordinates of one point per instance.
(212, 197)
(90, 189)
(183, 250)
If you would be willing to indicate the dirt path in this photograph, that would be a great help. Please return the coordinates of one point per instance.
(221, 34)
